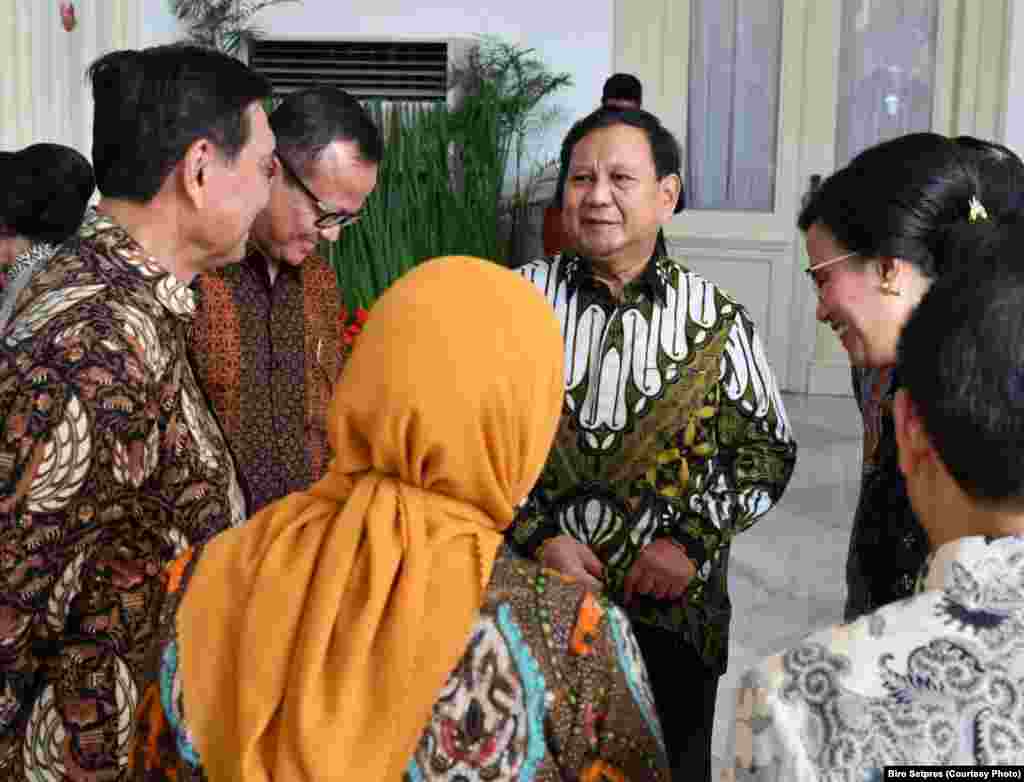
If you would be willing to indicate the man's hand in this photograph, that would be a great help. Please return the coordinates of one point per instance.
(567, 555)
(662, 571)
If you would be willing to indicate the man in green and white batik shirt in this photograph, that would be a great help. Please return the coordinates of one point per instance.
(673, 437)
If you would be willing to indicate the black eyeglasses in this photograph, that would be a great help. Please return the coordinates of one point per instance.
(328, 218)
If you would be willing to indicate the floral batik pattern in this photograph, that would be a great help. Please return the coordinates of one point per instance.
(489, 718)
(268, 355)
(110, 466)
(673, 426)
(540, 695)
(163, 747)
(16, 276)
(935, 679)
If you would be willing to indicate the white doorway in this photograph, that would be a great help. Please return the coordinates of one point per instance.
(766, 94)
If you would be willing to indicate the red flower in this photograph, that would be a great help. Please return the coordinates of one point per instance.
(348, 331)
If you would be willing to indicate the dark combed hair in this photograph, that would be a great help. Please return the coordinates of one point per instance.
(309, 120)
(152, 104)
(1000, 173)
(623, 86)
(664, 147)
(961, 357)
(46, 190)
(906, 197)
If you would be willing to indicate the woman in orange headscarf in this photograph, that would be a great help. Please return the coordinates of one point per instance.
(362, 629)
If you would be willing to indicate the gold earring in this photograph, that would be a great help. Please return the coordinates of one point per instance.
(889, 289)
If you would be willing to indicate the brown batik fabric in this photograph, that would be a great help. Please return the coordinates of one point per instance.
(551, 687)
(111, 465)
(267, 356)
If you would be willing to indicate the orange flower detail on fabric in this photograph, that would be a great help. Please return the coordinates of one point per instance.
(157, 727)
(551, 573)
(600, 771)
(585, 632)
(176, 570)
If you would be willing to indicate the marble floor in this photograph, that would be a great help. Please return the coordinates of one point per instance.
(787, 572)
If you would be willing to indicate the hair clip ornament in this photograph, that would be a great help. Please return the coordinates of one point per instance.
(977, 210)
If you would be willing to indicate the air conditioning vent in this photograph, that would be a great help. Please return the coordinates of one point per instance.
(390, 70)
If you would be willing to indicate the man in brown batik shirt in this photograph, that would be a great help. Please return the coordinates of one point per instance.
(267, 341)
(110, 462)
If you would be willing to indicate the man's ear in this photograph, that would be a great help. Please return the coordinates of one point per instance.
(912, 440)
(195, 170)
(668, 193)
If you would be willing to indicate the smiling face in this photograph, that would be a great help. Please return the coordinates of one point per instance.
(851, 300)
(286, 229)
(614, 202)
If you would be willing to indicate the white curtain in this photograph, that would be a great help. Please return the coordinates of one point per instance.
(733, 104)
(886, 67)
(43, 92)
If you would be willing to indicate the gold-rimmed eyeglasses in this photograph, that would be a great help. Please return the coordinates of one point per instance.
(814, 268)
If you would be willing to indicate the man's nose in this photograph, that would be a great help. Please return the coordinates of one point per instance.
(600, 191)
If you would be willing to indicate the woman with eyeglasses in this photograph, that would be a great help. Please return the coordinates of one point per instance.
(875, 235)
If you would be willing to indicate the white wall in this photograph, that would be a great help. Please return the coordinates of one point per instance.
(1015, 83)
(159, 25)
(568, 35)
(43, 91)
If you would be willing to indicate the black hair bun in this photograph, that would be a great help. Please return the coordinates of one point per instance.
(47, 189)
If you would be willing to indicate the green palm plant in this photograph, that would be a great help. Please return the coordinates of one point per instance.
(221, 24)
(437, 194)
(440, 188)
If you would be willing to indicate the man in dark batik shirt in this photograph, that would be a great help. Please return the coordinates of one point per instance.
(673, 438)
(268, 342)
(110, 462)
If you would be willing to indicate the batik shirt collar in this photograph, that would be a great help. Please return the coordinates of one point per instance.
(259, 260)
(652, 281)
(173, 294)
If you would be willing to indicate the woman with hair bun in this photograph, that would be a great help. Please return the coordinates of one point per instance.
(878, 234)
(46, 190)
(936, 679)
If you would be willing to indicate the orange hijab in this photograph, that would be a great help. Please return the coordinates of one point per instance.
(315, 639)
